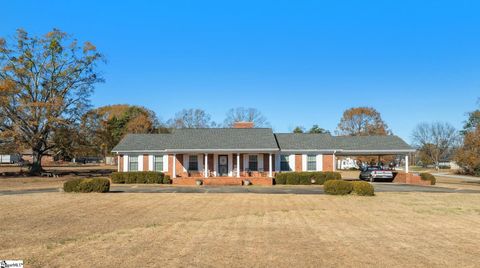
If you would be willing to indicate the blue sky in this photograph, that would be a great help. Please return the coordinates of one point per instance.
(299, 62)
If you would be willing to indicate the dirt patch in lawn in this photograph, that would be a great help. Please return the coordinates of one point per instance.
(237, 230)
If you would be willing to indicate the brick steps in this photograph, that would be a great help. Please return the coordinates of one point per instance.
(227, 181)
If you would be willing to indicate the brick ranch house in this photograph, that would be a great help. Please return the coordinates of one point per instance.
(230, 155)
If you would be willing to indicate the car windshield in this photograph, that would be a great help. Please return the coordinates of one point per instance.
(374, 168)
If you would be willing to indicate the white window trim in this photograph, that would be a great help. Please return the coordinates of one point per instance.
(304, 162)
(319, 162)
(125, 163)
(140, 162)
(127, 166)
(151, 165)
(291, 162)
(165, 163)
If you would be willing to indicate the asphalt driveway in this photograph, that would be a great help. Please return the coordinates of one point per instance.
(277, 189)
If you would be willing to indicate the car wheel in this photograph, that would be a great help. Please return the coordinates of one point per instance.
(371, 178)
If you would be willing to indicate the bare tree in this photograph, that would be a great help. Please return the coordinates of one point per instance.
(242, 114)
(191, 118)
(45, 84)
(435, 141)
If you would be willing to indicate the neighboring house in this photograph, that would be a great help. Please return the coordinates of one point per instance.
(243, 151)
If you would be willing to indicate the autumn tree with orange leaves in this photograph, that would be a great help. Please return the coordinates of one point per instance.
(468, 155)
(45, 85)
(362, 121)
(104, 127)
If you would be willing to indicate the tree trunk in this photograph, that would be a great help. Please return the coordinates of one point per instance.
(36, 167)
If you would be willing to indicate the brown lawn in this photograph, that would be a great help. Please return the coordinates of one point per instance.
(237, 230)
(16, 178)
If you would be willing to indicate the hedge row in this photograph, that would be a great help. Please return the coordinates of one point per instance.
(339, 187)
(428, 177)
(140, 177)
(306, 178)
(88, 185)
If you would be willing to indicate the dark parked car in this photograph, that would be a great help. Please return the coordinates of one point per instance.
(373, 173)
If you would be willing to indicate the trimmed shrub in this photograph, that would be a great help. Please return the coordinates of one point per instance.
(338, 187)
(428, 177)
(330, 175)
(167, 180)
(71, 185)
(280, 179)
(88, 185)
(293, 179)
(117, 177)
(140, 177)
(363, 188)
(306, 178)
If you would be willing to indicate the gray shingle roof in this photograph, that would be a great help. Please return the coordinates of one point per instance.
(256, 139)
(304, 141)
(372, 143)
(223, 138)
(201, 138)
(143, 142)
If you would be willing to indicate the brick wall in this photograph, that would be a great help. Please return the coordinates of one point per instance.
(261, 181)
(178, 165)
(145, 162)
(410, 178)
(327, 162)
(298, 162)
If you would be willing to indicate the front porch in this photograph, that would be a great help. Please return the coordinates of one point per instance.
(205, 166)
(223, 181)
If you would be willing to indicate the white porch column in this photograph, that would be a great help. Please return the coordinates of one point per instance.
(238, 165)
(334, 162)
(270, 165)
(118, 164)
(205, 168)
(174, 171)
(406, 163)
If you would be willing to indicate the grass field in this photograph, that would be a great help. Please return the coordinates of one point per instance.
(211, 230)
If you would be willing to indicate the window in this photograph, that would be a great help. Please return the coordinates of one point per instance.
(311, 162)
(133, 163)
(253, 162)
(284, 164)
(158, 163)
(193, 163)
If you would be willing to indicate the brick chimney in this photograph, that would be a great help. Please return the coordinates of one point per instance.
(243, 125)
